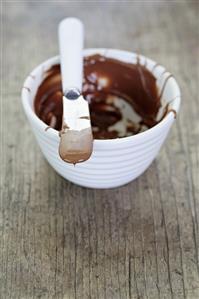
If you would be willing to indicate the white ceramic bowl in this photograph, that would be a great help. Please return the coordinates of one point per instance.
(114, 162)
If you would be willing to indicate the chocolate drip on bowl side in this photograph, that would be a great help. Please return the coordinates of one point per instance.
(123, 97)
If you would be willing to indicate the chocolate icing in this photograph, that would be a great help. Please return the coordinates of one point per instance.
(105, 80)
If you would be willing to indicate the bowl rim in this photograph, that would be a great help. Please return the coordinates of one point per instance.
(109, 52)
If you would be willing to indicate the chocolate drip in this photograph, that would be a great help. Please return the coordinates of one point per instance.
(164, 85)
(105, 80)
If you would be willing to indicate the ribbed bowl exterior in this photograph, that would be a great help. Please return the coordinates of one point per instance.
(113, 162)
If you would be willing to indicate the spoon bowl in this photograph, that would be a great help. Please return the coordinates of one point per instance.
(114, 162)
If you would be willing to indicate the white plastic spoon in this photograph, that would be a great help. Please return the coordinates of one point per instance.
(76, 139)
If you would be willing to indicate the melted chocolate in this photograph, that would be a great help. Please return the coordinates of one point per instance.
(105, 80)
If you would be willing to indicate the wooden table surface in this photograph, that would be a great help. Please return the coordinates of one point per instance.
(58, 240)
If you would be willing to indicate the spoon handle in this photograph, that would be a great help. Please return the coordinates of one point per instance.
(70, 34)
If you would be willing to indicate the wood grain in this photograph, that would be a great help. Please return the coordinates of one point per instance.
(58, 240)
